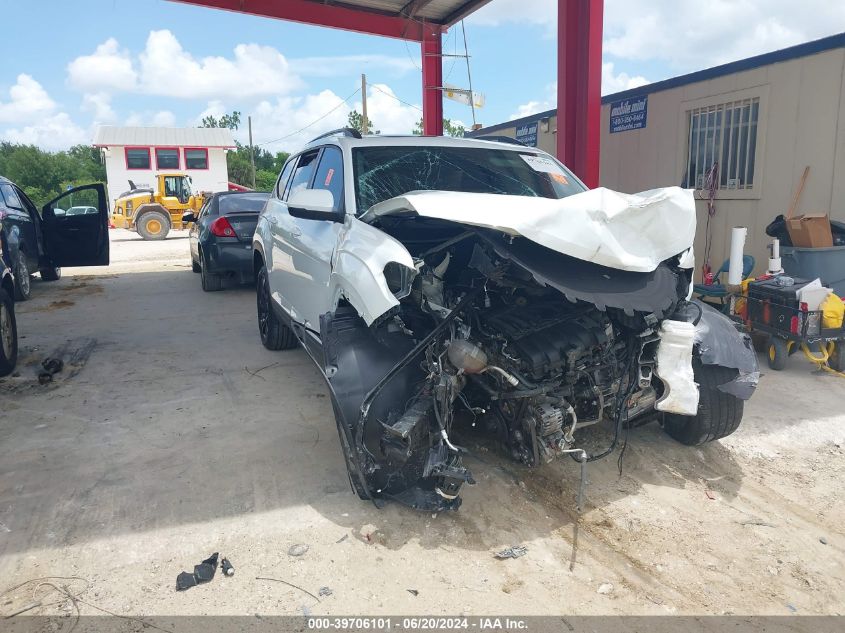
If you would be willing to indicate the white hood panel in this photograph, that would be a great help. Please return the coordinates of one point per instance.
(624, 231)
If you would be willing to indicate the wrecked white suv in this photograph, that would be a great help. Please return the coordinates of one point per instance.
(441, 282)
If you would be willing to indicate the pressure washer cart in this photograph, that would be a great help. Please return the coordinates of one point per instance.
(777, 310)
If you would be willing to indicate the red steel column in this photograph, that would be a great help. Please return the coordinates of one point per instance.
(432, 78)
(579, 87)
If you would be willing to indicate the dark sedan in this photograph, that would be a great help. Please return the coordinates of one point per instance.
(221, 236)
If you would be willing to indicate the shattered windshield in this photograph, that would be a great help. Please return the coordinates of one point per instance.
(382, 173)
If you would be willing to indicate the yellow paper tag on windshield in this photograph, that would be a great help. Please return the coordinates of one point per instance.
(560, 178)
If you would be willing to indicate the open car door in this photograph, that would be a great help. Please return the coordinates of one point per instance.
(76, 227)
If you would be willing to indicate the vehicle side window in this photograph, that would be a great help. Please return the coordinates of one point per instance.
(11, 196)
(329, 175)
(283, 179)
(302, 173)
(204, 210)
(28, 205)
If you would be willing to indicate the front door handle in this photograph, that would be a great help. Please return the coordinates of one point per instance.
(296, 231)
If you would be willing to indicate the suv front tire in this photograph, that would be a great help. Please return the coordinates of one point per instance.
(275, 335)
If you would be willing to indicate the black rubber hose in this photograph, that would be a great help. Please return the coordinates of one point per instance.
(628, 392)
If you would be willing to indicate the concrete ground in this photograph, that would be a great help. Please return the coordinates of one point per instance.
(172, 433)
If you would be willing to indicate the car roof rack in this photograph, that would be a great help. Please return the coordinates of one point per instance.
(343, 131)
(500, 139)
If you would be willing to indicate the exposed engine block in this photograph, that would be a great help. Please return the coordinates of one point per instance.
(546, 337)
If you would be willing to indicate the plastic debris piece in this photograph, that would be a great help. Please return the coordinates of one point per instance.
(342, 538)
(297, 550)
(53, 365)
(205, 570)
(515, 551)
(710, 495)
(413, 592)
(227, 568)
(822, 540)
(325, 591)
(185, 580)
(202, 573)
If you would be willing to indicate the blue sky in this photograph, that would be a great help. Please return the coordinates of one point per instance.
(74, 65)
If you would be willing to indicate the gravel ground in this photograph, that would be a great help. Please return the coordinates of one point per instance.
(172, 434)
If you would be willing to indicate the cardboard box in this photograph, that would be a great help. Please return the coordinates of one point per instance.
(810, 230)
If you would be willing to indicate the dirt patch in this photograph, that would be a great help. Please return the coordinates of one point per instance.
(74, 355)
(82, 287)
(55, 305)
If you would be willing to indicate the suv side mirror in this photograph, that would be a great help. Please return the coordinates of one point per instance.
(313, 204)
(188, 217)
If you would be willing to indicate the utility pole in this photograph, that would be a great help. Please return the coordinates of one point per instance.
(469, 76)
(364, 124)
(251, 150)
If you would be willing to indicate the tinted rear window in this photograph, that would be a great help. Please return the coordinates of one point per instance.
(243, 202)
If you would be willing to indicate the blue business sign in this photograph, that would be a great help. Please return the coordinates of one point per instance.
(527, 134)
(628, 114)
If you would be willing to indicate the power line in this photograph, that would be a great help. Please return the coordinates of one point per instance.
(392, 96)
(314, 122)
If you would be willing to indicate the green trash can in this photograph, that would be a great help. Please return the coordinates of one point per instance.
(828, 264)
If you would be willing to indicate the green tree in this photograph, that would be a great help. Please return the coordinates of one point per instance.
(44, 175)
(449, 129)
(356, 122)
(231, 121)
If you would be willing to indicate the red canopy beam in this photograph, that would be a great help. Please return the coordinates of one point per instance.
(319, 14)
(432, 79)
(579, 87)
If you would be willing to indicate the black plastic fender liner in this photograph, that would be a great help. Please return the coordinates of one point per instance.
(655, 292)
(718, 342)
(355, 360)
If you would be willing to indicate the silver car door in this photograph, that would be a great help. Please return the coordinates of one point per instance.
(314, 240)
(286, 282)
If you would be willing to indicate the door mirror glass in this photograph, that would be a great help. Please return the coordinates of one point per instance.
(317, 204)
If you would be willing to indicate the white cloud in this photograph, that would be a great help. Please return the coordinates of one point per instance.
(151, 118)
(54, 132)
(687, 37)
(389, 115)
(99, 105)
(346, 65)
(167, 69)
(282, 121)
(684, 35)
(516, 11)
(611, 82)
(27, 102)
(109, 68)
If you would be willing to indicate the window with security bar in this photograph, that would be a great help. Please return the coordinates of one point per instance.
(725, 134)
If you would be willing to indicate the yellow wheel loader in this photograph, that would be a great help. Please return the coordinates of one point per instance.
(153, 212)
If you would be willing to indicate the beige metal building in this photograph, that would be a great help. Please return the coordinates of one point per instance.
(762, 119)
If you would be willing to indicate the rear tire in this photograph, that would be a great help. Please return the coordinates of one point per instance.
(777, 351)
(153, 225)
(8, 334)
(195, 266)
(23, 280)
(719, 413)
(837, 356)
(211, 282)
(274, 334)
(50, 274)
